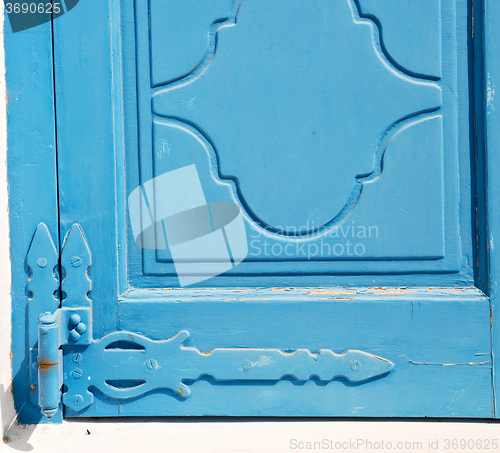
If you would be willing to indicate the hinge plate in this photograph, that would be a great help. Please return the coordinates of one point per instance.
(126, 365)
(66, 325)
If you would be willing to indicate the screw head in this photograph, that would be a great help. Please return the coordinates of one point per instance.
(74, 335)
(77, 400)
(76, 261)
(77, 358)
(75, 319)
(356, 366)
(77, 373)
(42, 262)
(183, 391)
(151, 364)
(81, 327)
(246, 364)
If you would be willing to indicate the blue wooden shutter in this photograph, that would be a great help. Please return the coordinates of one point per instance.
(283, 176)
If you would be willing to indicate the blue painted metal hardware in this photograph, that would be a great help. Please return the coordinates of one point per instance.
(51, 327)
(120, 371)
(48, 365)
(151, 365)
(64, 327)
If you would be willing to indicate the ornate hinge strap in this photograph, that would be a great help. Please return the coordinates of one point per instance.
(51, 327)
(146, 365)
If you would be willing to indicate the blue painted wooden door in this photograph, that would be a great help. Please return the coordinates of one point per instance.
(288, 175)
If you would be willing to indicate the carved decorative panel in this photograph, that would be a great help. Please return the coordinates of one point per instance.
(333, 126)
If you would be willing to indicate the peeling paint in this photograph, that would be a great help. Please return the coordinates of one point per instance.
(449, 364)
(490, 94)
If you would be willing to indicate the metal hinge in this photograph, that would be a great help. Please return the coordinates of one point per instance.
(63, 350)
(51, 327)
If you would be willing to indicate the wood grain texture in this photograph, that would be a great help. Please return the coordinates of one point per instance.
(440, 348)
(89, 144)
(492, 123)
(32, 180)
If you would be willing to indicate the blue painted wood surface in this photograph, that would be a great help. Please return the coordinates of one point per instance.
(32, 181)
(274, 123)
(438, 371)
(412, 33)
(90, 175)
(491, 80)
(276, 148)
(260, 145)
(479, 156)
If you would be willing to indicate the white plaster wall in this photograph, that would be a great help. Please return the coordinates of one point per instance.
(166, 436)
(6, 405)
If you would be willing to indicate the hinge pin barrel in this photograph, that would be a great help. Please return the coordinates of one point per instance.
(49, 395)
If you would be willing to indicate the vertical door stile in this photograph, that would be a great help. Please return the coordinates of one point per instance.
(491, 82)
(32, 180)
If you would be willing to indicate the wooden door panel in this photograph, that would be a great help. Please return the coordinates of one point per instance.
(342, 159)
(409, 144)
(438, 372)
